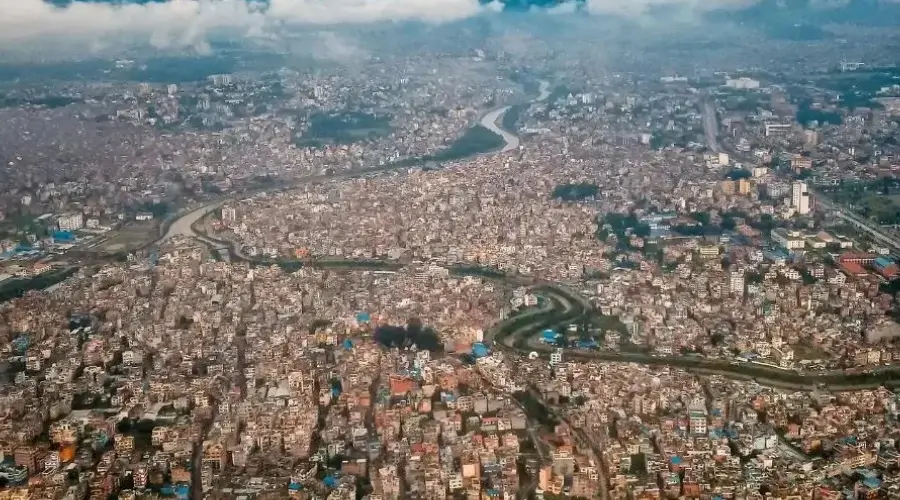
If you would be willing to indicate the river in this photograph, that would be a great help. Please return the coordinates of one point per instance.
(182, 226)
(490, 119)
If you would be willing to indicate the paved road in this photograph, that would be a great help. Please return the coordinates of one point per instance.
(711, 129)
(868, 226)
(711, 126)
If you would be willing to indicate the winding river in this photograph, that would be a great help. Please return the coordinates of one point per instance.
(183, 225)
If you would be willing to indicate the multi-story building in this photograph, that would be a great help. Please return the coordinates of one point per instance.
(736, 282)
(800, 197)
(70, 222)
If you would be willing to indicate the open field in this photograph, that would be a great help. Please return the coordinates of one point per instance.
(125, 239)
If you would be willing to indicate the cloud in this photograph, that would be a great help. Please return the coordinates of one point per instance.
(640, 7)
(103, 25)
(188, 23)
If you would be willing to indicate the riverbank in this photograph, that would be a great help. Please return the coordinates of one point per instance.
(519, 335)
(183, 224)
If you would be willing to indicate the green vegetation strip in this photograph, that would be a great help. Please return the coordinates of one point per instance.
(15, 288)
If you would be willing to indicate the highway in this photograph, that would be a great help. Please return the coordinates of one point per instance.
(711, 130)
(874, 230)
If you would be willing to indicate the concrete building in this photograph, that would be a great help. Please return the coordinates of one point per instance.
(800, 197)
(777, 129)
(70, 222)
(742, 83)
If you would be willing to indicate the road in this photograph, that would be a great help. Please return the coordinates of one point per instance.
(183, 225)
(536, 320)
(518, 335)
(870, 227)
(711, 129)
(711, 126)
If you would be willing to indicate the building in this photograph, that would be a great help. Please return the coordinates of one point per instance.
(777, 129)
(736, 282)
(810, 138)
(759, 172)
(791, 240)
(742, 83)
(800, 197)
(698, 423)
(727, 187)
(743, 186)
(70, 222)
(708, 250)
(886, 267)
(556, 356)
(229, 215)
(800, 163)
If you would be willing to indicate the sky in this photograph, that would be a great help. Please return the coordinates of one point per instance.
(187, 24)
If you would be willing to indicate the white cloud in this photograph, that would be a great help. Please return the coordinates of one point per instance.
(187, 23)
(178, 24)
(638, 7)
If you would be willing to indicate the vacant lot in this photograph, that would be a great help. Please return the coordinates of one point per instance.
(125, 239)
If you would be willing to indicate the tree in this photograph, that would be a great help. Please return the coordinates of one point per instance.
(701, 217)
(641, 230)
(574, 192)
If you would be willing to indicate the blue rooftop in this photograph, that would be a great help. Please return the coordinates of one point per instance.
(883, 261)
(872, 482)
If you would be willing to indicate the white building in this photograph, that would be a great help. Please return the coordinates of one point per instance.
(229, 215)
(556, 357)
(800, 197)
(791, 240)
(70, 222)
(742, 83)
(736, 282)
(777, 129)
